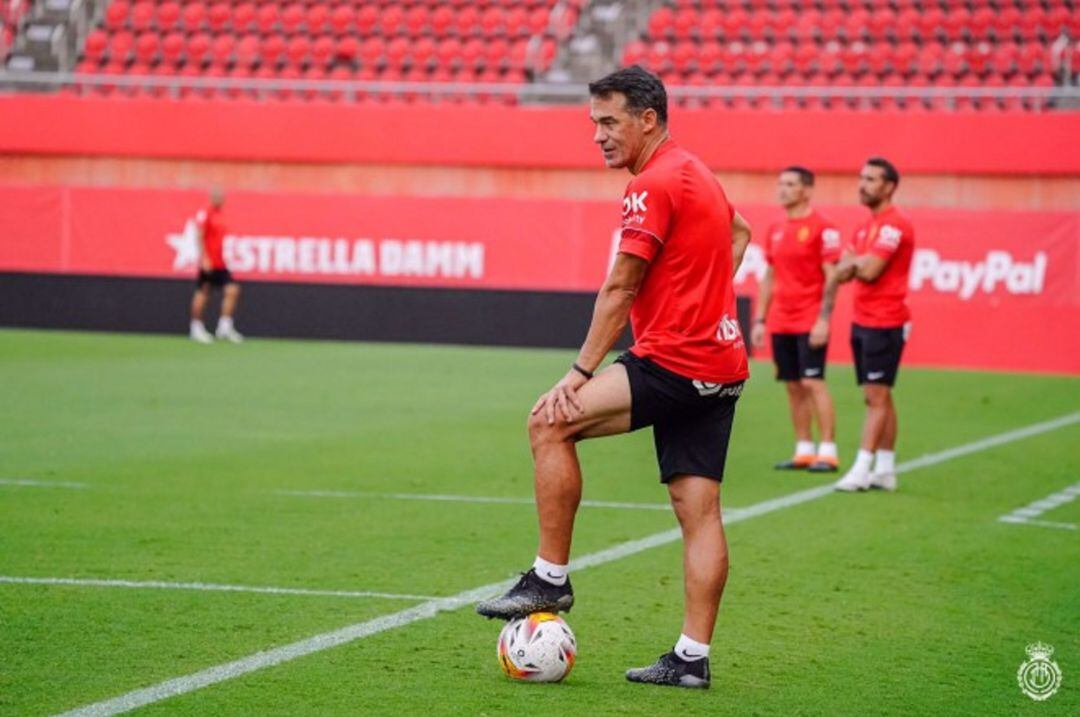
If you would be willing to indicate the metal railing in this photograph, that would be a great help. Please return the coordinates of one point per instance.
(1058, 97)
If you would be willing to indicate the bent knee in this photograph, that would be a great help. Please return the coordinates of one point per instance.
(541, 432)
(813, 385)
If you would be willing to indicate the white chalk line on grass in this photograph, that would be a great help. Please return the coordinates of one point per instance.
(1028, 515)
(208, 587)
(449, 498)
(317, 643)
(28, 483)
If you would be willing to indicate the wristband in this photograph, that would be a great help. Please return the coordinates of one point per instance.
(583, 372)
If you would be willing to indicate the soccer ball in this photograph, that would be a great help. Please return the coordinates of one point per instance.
(537, 648)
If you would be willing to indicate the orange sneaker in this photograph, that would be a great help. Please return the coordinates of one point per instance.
(798, 463)
(823, 464)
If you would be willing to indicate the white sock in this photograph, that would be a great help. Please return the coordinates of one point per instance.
(863, 460)
(196, 325)
(690, 649)
(550, 572)
(225, 323)
(826, 450)
(804, 448)
(885, 462)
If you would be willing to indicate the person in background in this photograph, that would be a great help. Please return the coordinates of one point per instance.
(214, 273)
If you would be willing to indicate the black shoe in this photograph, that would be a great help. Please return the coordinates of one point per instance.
(674, 671)
(791, 465)
(821, 467)
(531, 594)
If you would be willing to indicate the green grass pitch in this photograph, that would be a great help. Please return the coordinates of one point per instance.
(920, 602)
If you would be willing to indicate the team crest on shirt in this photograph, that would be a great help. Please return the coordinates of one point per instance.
(830, 238)
(803, 235)
(890, 236)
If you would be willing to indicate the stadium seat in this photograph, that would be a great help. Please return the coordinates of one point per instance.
(248, 51)
(219, 16)
(342, 19)
(146, 47)
(116, 15)
(96, 43)
(142, 16)
(168, 16)
(267, 19)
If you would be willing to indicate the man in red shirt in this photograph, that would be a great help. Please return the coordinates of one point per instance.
(681, 242)
(213, 272)
(879, 261)
(795, 301)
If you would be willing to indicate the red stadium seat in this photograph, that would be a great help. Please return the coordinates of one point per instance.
(391, 20)
(397, 51)
(322, 51)
(194, 16)
(172, 49)
(146, 47)
(248, 51)
(243, 18)
(297, 50)
(342, 19)
(372, 50)
(685, 23)
(493, 21)
(538, 20)
(712, 24)
(347, 48)
(907, 25)
(441, 19)
(496, 54)
(271, 51)
(96, 42)
(662, 23)
(472, 52)
(116, 14)
(367, 17)
(142, 15)
(222, 49)
(121, 45)
(292, 17)
(1006, 20)
(957, 23)
(517, 21)
(219, 16)
(168, 16)
(467, 21)
(266, 19)
(709, 57)
(417, 20)
(198, 48)
(318, 19)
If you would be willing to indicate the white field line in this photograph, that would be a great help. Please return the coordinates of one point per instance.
(1029, 513)
(209, 587)
(317, 643)
(28, 483)
(463, 498)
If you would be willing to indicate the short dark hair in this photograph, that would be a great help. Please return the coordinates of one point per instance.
(887, 168)
(642, 89)
(805, 175)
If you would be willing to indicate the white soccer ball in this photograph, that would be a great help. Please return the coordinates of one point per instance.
(537, 648)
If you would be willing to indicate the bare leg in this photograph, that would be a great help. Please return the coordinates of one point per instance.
(231, 298)
(878, 402)
(557, 474)
(800, 407)
(888, 433)
(198, 303)
(821, 400)
(696, 500)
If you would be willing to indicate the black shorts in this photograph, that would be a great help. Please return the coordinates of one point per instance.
(691, 420)
(877, 353)
(795, 359)
(216, 277)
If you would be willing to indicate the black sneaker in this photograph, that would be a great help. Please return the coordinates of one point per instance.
(531, 594)
(822, 466)
(792, 465)
(674, 671)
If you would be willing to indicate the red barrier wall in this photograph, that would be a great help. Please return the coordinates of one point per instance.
(988, 289)
(551, 137)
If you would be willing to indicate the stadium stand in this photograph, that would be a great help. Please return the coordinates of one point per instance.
(509, 41)
(824, 54)
(852, 43)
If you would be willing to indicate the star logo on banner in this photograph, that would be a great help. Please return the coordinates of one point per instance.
(186, 246)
